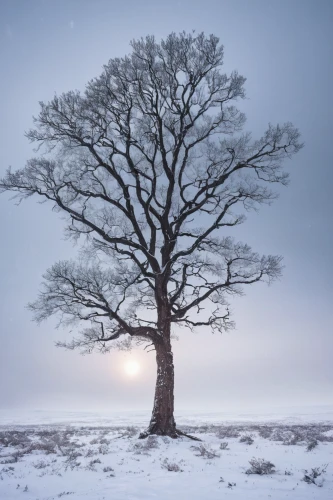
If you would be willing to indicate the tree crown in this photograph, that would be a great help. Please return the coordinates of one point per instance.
(150, 164)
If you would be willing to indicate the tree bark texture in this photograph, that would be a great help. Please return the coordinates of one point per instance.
(162, 420)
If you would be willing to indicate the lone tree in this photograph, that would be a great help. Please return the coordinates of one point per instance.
(150, 165)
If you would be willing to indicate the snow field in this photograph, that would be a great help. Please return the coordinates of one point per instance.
(104, 463)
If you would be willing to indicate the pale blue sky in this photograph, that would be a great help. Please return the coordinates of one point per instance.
(281, 352)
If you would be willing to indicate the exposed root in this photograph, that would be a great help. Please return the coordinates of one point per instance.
(181, 433)
(174, 434)
(144, 435)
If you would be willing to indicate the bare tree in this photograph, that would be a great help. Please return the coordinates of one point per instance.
(151, 166)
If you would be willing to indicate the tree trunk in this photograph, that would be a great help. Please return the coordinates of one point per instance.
(162, 421)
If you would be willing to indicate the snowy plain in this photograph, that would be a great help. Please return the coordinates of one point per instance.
(98, 456)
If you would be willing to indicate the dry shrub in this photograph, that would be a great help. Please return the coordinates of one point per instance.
(143, 447)
(247, 439)
(204, 451)
(260, 466)
(171, 466)
(312, 476)
(312, 445)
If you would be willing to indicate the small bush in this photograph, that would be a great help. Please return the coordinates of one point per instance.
(171, 466)
(312, 445)
(107, 469)
(260, 466)
(103, 449)
(227, 432)
(41, 464)
(204, 451)
(7, 470)
(130, 432)
(14, 439)
(247, 439)
(265, 432)
(90, 453)
(9, 460)
(224, 446)
(143, 447)
(71, 460)
(312, 476)
(105, 441)
(73, 454)
(92, 463)
(292, 438)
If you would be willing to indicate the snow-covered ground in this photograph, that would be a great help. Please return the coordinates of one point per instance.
(91, 456)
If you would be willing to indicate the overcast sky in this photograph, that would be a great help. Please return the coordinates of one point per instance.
(281, 352)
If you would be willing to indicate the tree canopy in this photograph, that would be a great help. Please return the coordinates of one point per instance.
(151, 166)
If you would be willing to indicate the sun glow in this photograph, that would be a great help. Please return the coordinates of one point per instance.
(132, 368)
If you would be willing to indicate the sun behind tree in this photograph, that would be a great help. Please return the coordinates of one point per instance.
(132, 368)
(150, 165)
